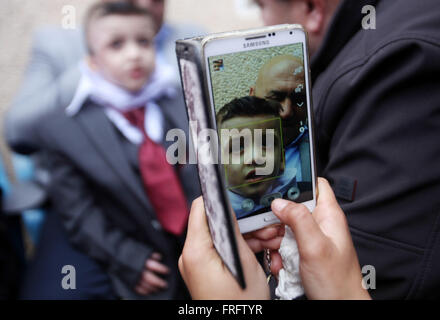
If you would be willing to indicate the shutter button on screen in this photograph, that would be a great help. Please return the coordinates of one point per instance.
(267, 199)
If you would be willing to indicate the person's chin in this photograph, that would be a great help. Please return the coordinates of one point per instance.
(135, 87)
(256, 190)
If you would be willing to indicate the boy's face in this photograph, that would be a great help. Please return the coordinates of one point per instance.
(123, 49)
(242, 178)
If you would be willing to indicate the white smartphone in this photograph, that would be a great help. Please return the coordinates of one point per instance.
(259, 83)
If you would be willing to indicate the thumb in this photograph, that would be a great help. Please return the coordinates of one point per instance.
(326, 196)
(307, 232)
(198, 235)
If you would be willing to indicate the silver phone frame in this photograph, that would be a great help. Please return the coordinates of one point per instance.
(298, 35)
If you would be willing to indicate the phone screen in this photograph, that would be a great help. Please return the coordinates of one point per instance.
(261, 112)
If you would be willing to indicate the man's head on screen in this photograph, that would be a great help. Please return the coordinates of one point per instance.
(282, 79)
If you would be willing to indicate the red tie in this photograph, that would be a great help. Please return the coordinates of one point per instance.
(160, 180)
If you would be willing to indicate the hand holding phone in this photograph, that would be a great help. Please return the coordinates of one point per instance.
(204, 272)
(332, 272)
(251, 88)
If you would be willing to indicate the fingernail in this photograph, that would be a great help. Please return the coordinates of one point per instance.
(279, 204)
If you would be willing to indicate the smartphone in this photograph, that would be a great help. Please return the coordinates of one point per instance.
(260, 95)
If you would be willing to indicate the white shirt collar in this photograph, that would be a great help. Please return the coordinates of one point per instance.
(116, 100)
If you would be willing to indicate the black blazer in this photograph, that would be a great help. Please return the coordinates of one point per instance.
(377, 110)
(101, 198)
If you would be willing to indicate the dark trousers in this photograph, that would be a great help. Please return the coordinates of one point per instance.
(43, 276)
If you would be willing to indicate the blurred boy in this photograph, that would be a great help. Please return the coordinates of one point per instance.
(246, 181)
(122, 204)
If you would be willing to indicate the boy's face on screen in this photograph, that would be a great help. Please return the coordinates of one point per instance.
(123, 49)
(242, 177)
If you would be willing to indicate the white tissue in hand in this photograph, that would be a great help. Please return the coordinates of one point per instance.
(289, 280)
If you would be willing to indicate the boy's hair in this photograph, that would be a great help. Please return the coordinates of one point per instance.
(248, 106)
(103, 9)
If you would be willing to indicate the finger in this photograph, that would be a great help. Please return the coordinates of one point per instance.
(272, 244)
(154, 281)
(259, 245)
(157, 267)
(307, 232)
(265, 233)
(143, 285)
(266, 238)
(198, 231)
(329, 215)
(326, 195)
(276, 262)
(156, 256)
(145, 289)
(140, 290)
(282, 231)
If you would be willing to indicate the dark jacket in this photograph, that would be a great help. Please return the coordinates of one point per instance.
(377, 110)
(96, 188)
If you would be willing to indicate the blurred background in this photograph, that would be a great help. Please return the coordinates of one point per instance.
(19, 19)
(21, 218)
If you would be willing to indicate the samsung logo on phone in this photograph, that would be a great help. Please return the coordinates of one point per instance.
(256, 44)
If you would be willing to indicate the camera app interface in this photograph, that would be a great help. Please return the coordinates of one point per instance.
(262, 121)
